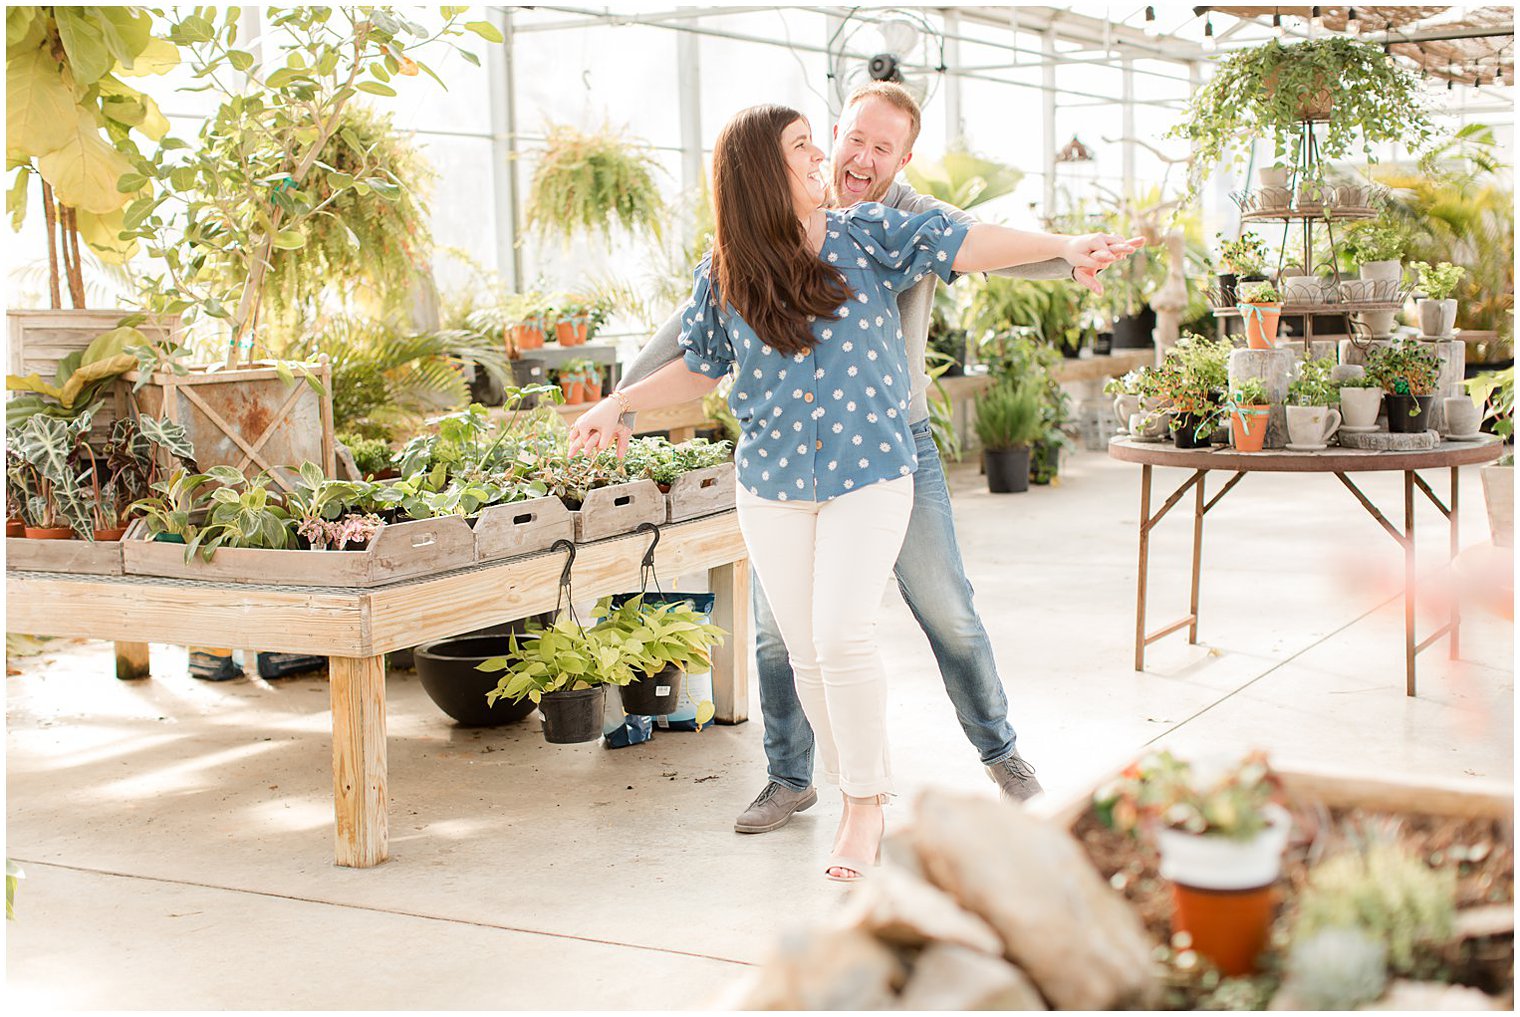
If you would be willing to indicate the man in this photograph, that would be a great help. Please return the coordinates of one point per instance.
(873, 141)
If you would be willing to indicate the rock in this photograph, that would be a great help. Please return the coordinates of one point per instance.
(899, 908)
(827, 969)
(1406, 995)
(1387, 441)
(1075, 937)
(950, 977)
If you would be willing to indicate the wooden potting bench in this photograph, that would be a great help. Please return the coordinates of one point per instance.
(354, 629)
(1342, 462)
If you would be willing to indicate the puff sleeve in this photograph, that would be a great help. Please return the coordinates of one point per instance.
(704, 340)
(903, 248)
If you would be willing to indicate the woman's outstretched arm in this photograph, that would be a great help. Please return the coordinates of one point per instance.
(989, 247)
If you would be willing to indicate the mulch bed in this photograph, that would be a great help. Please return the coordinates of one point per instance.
(1481, 851)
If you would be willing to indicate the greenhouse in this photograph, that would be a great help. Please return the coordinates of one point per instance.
(735, 507)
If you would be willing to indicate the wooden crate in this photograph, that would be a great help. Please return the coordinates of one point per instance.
(523, 527)
(618, 509)
(248, 417)
(701, 493)
(40, 339)
(77, 557)
(421, 547)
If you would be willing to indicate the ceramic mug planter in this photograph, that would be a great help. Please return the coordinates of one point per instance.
(1125, 406)
(1248, 427)
(1261, 324)
(1149, 425)
(1311, 427)
(1408, 414)
(1224, 889)
(1462, 417)
(1360, 407)
(1437, 317)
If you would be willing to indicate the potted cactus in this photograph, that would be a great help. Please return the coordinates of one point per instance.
(1261, 307)
(1438, 309)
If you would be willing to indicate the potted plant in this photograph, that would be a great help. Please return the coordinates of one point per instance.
(565, 669)
(1408, 371)
(1496, 392)
(1261, 307)
(1250, 412)
(1438, 311)
(1311, 412)
(171, 513)
(449, 672)
(1221, 838)
(664, 637)
(1246, 259)
(1007, 424)
(589, 181)
(573, 320)
(1376, 247)
(526, 314)
(1193, 380)
(1364, 94)
(1361, 402)
(572, 377)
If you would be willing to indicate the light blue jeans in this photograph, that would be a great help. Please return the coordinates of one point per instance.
(933, 582)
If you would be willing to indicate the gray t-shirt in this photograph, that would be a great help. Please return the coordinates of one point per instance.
(914, 306)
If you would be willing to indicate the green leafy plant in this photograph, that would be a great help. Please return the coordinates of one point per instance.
(1053, 310)
(79, 378)
(1493, 392)
(13, 875)
(1250, 392)
(43, 467)
(242, 513)
(1258, 293)
(963, 179)
(588, 181)
(1440, 281)
(560, 657)
(1246, 256)
(662, 462)
(1192, 380)
(655, 636)
(1380, 239)
(1008, 416)
(1362, 380)
(178, 500)
(1312, 386)
(1408, 367)
(1267, 91)
(1335, 969)
(1165, 790)
(371, 455)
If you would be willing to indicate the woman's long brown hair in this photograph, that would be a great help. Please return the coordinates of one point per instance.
(761, 263)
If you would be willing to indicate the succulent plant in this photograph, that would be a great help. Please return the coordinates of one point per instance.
(1335, 969)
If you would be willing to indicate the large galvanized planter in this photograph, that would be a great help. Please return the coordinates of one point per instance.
(620, 508)
(408, 550)
(251, 418)
(523, 527)
(75, 557)
(701, 493)
(40, 339)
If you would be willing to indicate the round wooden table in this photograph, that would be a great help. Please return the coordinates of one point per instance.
(1449, 455)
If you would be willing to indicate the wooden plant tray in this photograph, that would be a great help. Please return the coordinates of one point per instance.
(79, 557)
(701, 493)
(521, 527)
(420, 547)
(618, 509)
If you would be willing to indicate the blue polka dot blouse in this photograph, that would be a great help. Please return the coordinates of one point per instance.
(819, 424)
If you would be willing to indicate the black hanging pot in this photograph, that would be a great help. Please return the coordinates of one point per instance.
(1007, 469)
(449, 675)
(654, 695)
(1408, 414)
(574, 716)
(1186, 435)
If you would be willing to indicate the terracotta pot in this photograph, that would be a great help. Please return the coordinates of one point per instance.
(1229, 927)
(582, 331)
(1248, 427)
(1261, 324)
(111, 534)
(15, 528)
(575, 392)
(593, 390)
(49, 533)
(528, 337)
(570, 333)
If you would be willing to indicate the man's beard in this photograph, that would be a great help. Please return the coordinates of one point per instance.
(837, 198)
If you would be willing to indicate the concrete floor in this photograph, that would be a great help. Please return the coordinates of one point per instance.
(176, 834)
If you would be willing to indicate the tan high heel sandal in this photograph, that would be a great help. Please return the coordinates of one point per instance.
(850, 862)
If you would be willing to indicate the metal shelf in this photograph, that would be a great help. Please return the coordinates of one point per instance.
(1326, 308)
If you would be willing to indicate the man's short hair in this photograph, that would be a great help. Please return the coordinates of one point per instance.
(892, 92)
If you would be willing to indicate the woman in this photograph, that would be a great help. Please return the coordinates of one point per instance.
(802, 303)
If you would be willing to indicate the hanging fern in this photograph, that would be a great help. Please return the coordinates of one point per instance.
(588, 181)
(367, 243)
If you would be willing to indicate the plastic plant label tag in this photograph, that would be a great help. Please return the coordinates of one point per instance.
(662, 690)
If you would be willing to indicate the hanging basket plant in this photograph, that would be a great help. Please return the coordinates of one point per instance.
(1359, 91)
(591, 182)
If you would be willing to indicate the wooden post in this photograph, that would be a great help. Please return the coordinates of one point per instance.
(731, 612)
(329, 442)
(131, 661)
(1409, 583)
(357, 686)
(1145, 538)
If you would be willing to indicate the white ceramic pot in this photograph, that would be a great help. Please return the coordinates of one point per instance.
(1499, 493)
(1302, 289)
(1382, 271)
(1379, 323)
(1148, 424)
(1207, 862)
(1273, 176)
(1462, 417)
(1437, 317)
(1360, 406)
(1312, 425)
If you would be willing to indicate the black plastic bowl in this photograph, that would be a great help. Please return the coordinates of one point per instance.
(448, 672)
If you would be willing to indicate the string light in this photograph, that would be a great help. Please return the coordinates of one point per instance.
(1151, 28)
(1209, 45)
(1353, 23)
(1277, 25)
(1316, 20)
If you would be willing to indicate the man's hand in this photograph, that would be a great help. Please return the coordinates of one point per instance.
(599, 428)
(1088, 275)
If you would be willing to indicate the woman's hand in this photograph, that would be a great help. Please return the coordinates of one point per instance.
(1097, 251)
(1088, 276)
(599, 428)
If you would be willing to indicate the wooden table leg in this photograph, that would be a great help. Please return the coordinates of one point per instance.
(731, 612)
(131, 660)
(1198, 510)
(1455, 645)
(1145, 547)
(1409, 583)
(357, 685)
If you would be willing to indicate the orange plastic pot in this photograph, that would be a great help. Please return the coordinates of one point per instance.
(49, 533)
(1229, 927)
(570, 333)
(1261, 324)
(115, 533)
(527, 337)
(575, 392)
(593, 390)
(15, 528)
(1248, 427)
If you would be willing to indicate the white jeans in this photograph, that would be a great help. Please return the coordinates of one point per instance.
(823, 567)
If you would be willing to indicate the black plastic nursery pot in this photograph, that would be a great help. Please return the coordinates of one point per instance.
(1408, 414)
(448, 672)
(1103, 344)
(1227, 283)
(1186, 436)
(654, 695)
(574, 716)
(1007, 470)
(1133, 331)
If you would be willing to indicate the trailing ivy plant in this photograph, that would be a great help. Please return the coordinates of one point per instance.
(589, 181)
(1262, 92)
